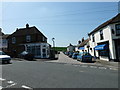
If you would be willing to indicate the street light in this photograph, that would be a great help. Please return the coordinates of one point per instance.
(53, 42)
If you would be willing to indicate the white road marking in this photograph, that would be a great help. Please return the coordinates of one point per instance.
(11, 85)
(1, 79)
(1, 87)
(93, 67)
(102, 67)
(10, 82)
(24, 86)
(113, 69)
(81, 71)
(84, 66)
(75, 65)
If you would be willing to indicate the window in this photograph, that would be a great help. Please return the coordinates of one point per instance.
(103, 52)
(13, 40)
(93, 38)
(117, 29)
(43, 38)
(28, 38)
(101, 35)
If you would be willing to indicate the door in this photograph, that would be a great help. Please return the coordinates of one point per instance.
(44, 53)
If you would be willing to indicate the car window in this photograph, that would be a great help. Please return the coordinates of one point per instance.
(2, 53)
(87, 54)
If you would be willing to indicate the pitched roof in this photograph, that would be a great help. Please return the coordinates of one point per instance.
(5, 36)
(1, 33)
(83, 43)
(111, 21)
(26, 31)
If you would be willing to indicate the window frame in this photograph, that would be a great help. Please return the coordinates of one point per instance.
(117, 29)
(28, 38)
(101, 35)
(93, 38)
(13, 40)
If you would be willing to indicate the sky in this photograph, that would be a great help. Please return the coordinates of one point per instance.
(67, 22)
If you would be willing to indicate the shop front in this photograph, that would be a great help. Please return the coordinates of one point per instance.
(40, 50)
(103, 51)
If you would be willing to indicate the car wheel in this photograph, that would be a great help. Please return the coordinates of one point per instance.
(8, 62)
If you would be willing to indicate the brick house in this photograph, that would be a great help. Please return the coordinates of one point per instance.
(29, 39)
(3, 41)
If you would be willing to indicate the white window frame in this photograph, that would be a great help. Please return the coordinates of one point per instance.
(13, 40)
(28, 38)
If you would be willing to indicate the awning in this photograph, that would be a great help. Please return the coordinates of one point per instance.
(101, 47)
(81, 48)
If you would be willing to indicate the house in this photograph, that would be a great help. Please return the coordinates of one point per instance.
(83, 46)
(3, 41)
(70, 48)
(105, 40)
(29, 39)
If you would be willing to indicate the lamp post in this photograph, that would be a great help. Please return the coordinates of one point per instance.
(53, 42)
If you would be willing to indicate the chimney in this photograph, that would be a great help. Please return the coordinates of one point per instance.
(82, 39)
(79, 42)
(17, 29)
(27, 25)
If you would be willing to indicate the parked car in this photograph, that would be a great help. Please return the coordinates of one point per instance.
(66, 53)
(70, 54)
(4, 58)
(84, 57)
(26, 55)
(74, 56)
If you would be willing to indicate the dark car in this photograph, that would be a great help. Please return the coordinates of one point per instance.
(74, 56)
(26, 55)
(70, 54)
(84, 57)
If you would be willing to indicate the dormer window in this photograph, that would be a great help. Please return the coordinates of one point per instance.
(13, 40)
(28, 38)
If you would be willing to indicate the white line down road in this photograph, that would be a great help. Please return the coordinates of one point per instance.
(26, 87)
(1, 79)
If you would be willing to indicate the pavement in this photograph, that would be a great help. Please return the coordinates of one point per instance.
(108, 63)
(65, 59)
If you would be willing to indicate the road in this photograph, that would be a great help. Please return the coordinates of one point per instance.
(44, 74)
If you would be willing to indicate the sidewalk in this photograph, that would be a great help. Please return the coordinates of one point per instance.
(108, 63)
(65, 59)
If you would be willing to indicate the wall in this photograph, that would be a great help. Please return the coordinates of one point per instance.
(107, 37)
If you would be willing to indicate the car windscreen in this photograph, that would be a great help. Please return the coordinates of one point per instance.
(2, 53)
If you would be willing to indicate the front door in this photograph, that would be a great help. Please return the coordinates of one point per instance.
(44, 53)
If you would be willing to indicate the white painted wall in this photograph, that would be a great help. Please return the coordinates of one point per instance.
(70, 48)
(108, 36)
(42, 46)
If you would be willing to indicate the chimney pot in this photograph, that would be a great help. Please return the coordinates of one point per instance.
(27, 25)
